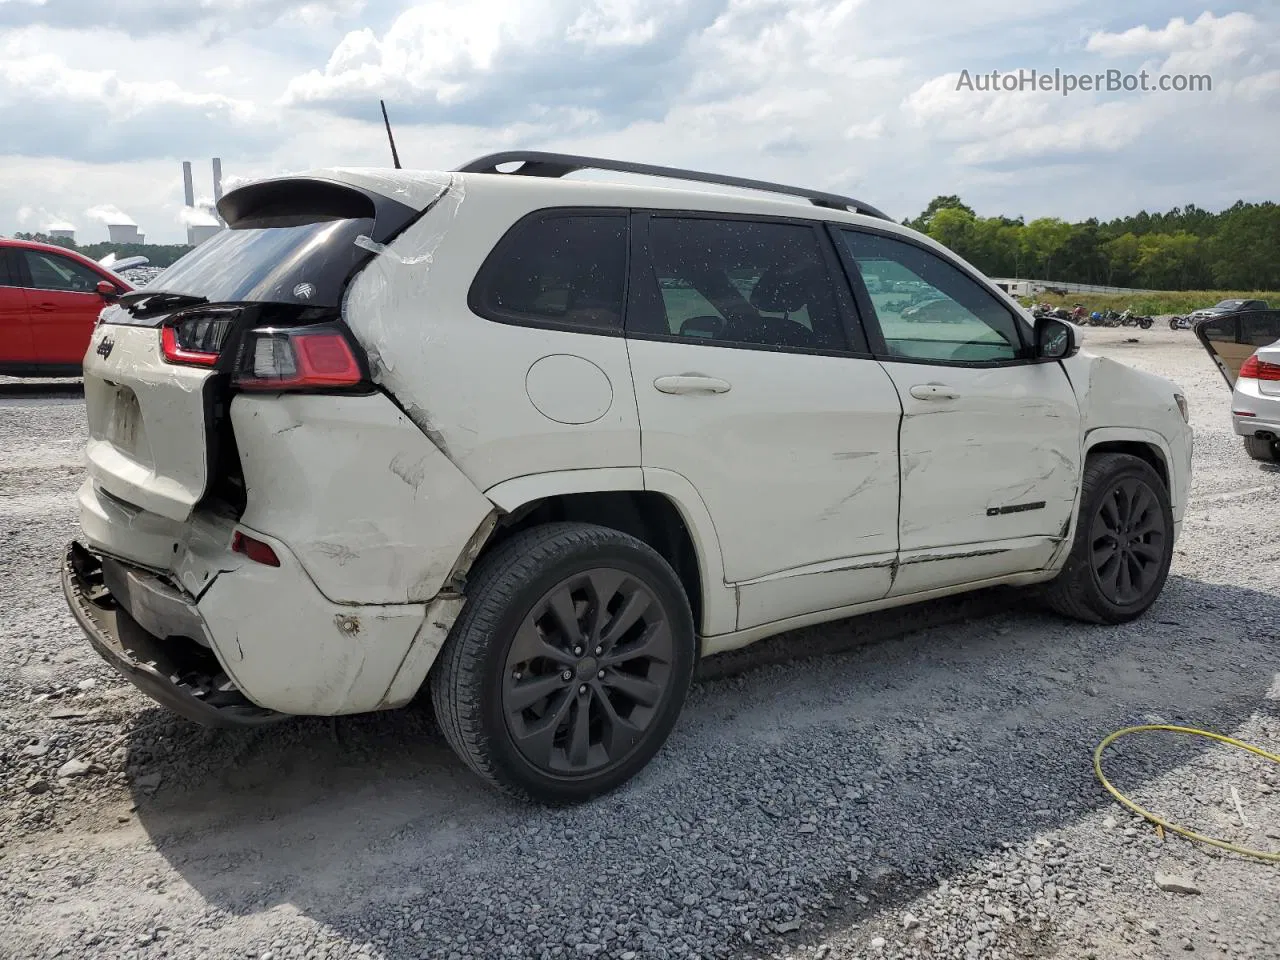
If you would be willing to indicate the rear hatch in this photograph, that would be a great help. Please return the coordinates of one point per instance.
(1231, 339)
(164, 361)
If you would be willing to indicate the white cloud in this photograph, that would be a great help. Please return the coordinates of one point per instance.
(848, 95)
(1221, 35)
(201, 215)
(210, 17)
(111, 215)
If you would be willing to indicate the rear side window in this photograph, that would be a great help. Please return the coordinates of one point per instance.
(559, 270)
(8, 270)
(738, 282)
(48, 271)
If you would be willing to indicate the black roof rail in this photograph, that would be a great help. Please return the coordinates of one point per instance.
(534, 163)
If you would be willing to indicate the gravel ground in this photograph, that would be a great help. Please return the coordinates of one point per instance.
(910, 784)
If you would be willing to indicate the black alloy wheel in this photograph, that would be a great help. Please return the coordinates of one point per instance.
(586, 673)
(1127, 541)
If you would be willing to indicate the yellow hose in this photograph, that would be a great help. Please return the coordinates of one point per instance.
(1160, 821)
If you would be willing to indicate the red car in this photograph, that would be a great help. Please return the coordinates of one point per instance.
(50, 298)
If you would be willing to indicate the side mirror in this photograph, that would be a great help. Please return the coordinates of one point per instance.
(108, 291)
(1055, 339)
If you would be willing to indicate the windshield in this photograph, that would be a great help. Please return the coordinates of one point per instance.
(1228, 304)
(304, 264)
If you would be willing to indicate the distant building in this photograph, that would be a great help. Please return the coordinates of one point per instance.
(125, 233)
(63, 233)
(198, 233)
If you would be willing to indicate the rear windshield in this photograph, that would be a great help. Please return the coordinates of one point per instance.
(306, 264)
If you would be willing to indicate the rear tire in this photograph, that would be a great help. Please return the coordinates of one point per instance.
(569, 665)
(1260, 448)
(1123, 545)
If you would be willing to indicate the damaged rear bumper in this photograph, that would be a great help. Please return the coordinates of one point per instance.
(178, 672)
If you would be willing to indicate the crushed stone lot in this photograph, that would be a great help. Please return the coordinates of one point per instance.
(910, 784)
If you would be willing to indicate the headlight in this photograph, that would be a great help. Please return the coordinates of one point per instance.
(1181, 401)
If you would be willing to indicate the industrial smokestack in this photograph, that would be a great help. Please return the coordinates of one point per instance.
(187, 186)
(217, 186)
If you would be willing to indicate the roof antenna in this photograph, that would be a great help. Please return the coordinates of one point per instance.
(395, 157)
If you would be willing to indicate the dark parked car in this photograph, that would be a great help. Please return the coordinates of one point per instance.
(1223, 307)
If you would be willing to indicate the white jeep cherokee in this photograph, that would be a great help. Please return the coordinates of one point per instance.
(537, 444)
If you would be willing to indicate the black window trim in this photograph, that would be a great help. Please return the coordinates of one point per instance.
(494, 257)
(871, 320)
(644, 289)
(19, 273)
(8, 269)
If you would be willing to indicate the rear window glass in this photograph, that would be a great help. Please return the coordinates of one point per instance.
(307, 264)
(562, 270)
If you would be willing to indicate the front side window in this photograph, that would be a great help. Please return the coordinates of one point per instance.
(51, 272)
(928, 309)
(739, 282)
(562, 270)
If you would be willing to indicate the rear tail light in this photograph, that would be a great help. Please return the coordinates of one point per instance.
(299, 358)
(255, 550)
(196, 339)
(1255, 369)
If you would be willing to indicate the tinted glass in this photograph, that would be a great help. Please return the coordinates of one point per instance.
(929, 309)
(51, 272)
(564, 270)
(738, 282)
(1260, 329)
(306, 264)
(8, 274)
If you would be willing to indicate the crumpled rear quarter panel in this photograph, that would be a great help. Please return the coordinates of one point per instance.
(373, 510)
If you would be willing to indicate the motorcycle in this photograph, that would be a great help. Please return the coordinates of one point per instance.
(1130, 319)
(1179, 323)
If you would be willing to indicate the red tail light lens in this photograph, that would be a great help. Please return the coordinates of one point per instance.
(196, 339)
(1255, 369)
(302, 358)
(255, 550)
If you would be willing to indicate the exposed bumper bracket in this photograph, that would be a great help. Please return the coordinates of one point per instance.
(175, 672)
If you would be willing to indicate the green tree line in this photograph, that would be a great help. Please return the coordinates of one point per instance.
(1185, 249)
(157, 254)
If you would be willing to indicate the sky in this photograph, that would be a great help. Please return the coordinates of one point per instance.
(100, 102)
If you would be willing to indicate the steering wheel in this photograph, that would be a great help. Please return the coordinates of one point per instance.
(708, 327)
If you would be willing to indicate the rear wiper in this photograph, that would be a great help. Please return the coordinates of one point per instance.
(142, 302)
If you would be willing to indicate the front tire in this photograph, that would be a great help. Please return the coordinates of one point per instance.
(1123, 545)
(569, 665)
(1260, 448)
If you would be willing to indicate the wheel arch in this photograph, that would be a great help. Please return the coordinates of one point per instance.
(660, 511)
(1144, 444)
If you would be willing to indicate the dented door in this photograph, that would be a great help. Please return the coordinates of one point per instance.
(990, 441)
(792, 450)
(990, 467)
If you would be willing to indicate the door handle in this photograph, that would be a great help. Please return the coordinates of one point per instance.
(933, 391)
(46, 306)
(691, 383)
